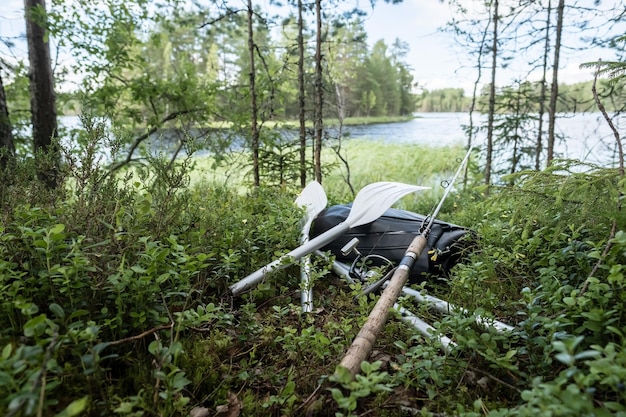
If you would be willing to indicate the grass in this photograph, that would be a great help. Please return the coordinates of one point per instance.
(368, 162)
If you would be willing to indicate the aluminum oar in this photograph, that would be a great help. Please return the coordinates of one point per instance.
(443, 306)
(424, 328)
(314, 200)
(420, 325)
(370, 203)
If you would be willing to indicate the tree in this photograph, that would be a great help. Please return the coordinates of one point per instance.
(42, 94)
(301, 95)
(253, 104)
(554, 89)
(492, 94)
(319, 94)
(542, 94)
(7, 147)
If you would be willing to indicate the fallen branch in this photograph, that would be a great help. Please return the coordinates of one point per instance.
(142, 335)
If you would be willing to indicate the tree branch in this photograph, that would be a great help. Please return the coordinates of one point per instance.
(142, 335)
(146, 135)
(229, 12)
(621, 173)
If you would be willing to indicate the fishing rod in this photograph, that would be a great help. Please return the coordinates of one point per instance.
(364, 342)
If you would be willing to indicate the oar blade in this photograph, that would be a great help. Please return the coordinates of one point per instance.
(313, 199)
(370, 203)
(374, 199)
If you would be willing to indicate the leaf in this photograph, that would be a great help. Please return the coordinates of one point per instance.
(57, 229)
(32, 324)
(57, 310)
(342, 375)
(337, 394)
(565, 358)
(75, 408)
(138, 269)
(6, 352)
(510, 354)
(155, 347)
(587, 354)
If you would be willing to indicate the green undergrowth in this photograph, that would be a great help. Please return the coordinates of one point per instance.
(114, 301)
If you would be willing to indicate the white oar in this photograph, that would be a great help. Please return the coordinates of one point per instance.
(444, 307)
(424, 328)
(370, 203)
(314, 200)
(342, 270)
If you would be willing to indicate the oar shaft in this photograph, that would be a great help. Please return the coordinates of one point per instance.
(444, 307)
(425, 328)
(287, 259)
(306, 295)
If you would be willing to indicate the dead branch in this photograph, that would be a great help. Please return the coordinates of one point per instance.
(621, 172)
(142, 335)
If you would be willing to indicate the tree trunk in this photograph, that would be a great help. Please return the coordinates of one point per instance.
(301, 108)
(42, 95)
(554, 91)
(492, 96)
(542, 94)
(319, 94)
(253, 105)
(479, 68)
(7, 148)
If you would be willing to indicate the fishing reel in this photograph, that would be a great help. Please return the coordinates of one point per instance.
(365, 267)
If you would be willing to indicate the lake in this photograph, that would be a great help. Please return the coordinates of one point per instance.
(587, 136)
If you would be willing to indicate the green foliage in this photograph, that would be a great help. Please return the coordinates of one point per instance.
(114, 297)
(88, 276)
(279, 161)
(369, 382)
(616, 70)
(443, 100)
(541, 241)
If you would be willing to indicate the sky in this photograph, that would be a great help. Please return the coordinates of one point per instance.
(435, 59)
(438, 62)
(432, 54)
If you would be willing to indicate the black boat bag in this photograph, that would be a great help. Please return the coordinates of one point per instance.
(391, 234)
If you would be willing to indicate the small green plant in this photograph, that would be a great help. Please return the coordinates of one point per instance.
(370, 381)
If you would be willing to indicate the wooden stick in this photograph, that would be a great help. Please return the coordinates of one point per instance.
(364, 342)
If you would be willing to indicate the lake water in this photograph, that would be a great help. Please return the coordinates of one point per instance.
(587, 136)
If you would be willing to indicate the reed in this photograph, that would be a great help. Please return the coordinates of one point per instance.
(368, 161)
(371, 161)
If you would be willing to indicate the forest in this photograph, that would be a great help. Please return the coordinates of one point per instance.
(121, 263)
